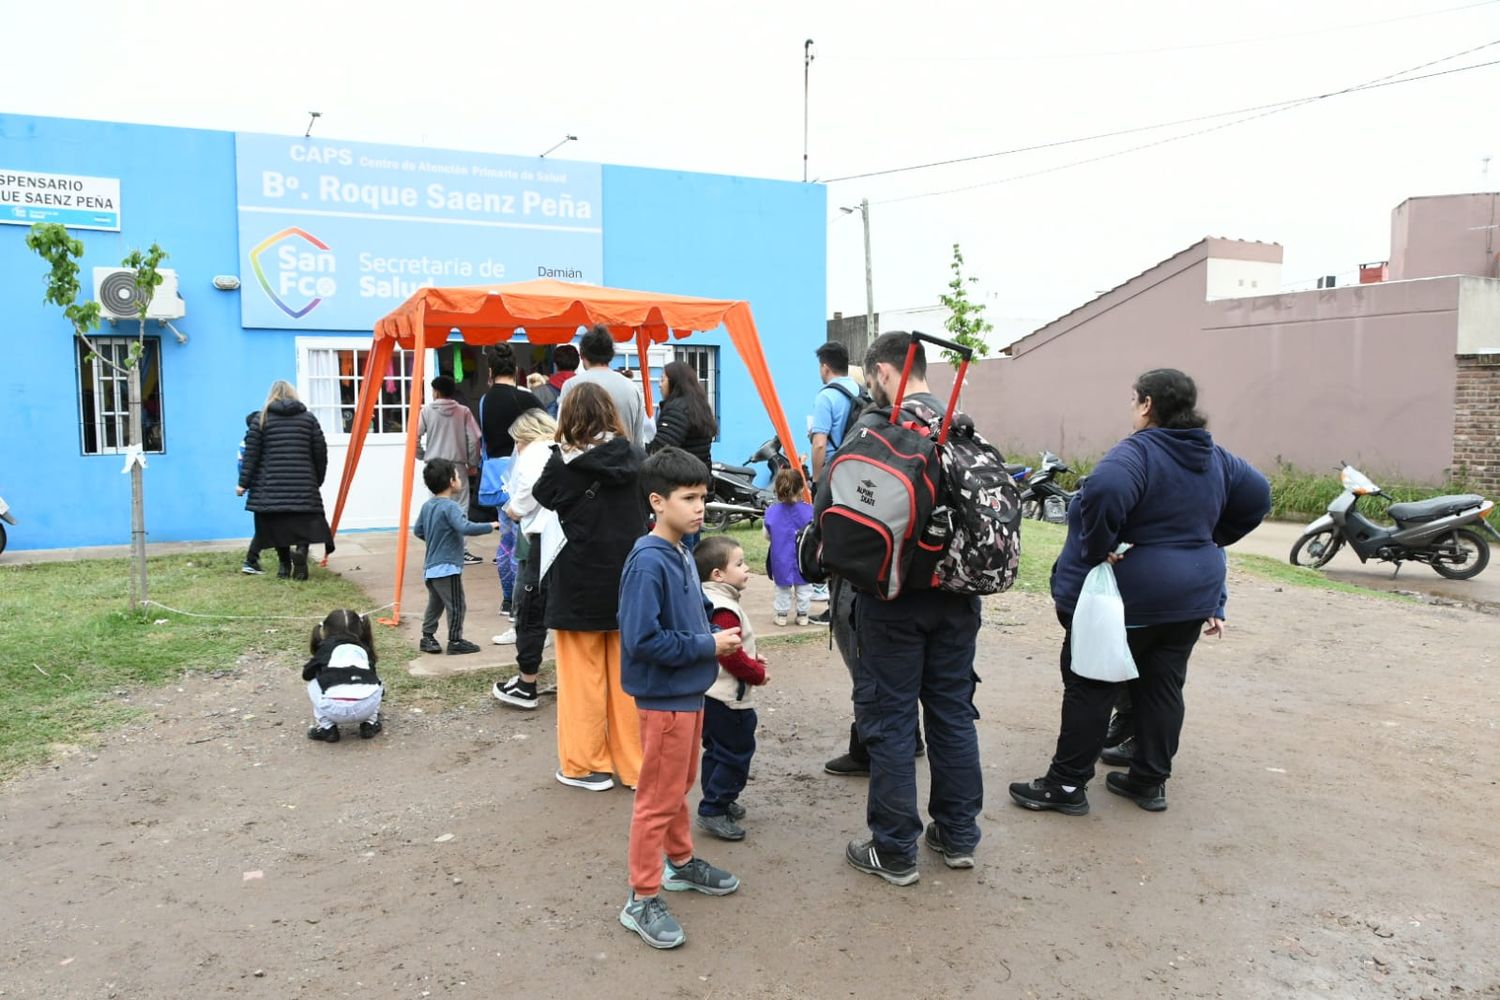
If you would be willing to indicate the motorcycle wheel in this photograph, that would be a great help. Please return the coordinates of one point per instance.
(2, 537)
(1476, 555)
(715, 520)
(1321, 547)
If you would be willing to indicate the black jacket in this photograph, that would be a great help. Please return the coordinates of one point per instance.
(597, 496)
(673, 430)
(285, 461)
(503, 403)
(318, 669)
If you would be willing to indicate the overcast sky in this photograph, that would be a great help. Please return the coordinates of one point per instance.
(719, 88)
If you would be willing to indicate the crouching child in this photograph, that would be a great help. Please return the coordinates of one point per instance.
(668, 659)
(341, 678)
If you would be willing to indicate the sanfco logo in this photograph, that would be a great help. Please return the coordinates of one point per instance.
(295, 270)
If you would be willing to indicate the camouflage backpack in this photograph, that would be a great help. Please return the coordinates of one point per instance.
(981, 504)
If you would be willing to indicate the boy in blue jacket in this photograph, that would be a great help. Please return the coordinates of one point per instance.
(669, 656)
(442, 525)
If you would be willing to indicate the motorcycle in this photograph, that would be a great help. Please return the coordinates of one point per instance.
(1438, 532)
(5, 518)
(733, 495)
(1044, 499)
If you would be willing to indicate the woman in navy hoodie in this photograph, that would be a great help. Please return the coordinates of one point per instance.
(1177, 499)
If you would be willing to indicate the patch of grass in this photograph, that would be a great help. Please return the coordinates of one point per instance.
(755, 543)
(68, 643)
(1297, 576)
(1040, 544)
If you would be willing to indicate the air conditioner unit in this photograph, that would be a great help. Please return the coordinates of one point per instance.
(115, 291)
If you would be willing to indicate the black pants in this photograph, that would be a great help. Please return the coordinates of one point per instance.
(292, 560)
(445, 593)
(1161, 656)
(919, 649)
(728, 747)
(531, 610)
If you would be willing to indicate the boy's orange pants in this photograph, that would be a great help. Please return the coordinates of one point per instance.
(598, 726)
(660, 826)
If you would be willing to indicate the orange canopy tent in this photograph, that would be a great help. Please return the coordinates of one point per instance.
(549, 312)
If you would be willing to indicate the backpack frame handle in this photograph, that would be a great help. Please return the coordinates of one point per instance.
(966, 353)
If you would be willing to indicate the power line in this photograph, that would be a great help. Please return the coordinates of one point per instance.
(1186, 135)
(1275, 106)
(1189, 46)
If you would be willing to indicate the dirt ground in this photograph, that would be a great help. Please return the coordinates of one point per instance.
(1334, 830)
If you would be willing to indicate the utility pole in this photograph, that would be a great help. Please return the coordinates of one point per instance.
(864, 211)
(807, 61)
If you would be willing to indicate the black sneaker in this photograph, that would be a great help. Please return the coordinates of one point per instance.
(724, 827)
(864, 855)
(458, 647)
(1152, 798)
(324, 735)
(1121, 754)
(823, 617)
(952, 858)
(848, 766)
(736, 811)
(470, 559)
(1044, 793)
(430, 645)
(516, 692)
(508, 609)
(699, 876)
(368, 730)
(250, 569)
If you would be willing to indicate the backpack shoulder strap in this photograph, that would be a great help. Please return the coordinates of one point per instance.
(843, 389)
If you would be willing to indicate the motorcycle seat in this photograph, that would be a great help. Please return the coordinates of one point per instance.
(1431, 510)
(734, 470)
(1011, 468)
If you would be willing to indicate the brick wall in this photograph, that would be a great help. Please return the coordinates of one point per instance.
(1476, 422)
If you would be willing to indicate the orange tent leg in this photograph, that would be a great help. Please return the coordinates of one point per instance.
(643, 346)
(741, 327)
(413, 430)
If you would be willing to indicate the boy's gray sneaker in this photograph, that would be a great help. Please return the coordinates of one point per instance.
(723, 827)
(698, 875)
(736, 811)
(952, 858)
(649, 918)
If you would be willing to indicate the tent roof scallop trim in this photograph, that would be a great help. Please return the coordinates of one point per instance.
(551, 312)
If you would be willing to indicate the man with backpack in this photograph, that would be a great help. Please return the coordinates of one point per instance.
(916, 616)
(565, 360)
(836, 407)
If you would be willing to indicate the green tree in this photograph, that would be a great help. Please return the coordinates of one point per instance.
(965, 323)
(62, 252)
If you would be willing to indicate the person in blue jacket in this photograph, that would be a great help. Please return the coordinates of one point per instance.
(1177, 499)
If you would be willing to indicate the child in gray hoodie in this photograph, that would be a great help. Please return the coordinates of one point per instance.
(442, 525)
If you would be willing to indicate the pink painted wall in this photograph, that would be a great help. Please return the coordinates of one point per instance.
(1445, 234)
(1363, 373)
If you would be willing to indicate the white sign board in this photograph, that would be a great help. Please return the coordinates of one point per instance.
(28, 197)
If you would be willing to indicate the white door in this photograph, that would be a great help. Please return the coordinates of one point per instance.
(330, 372)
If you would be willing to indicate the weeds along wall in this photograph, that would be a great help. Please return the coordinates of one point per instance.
(669, 231)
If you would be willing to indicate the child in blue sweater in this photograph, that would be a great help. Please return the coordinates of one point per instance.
(442, 525)
(668, 659)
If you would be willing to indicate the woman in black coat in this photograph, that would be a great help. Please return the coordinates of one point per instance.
(592, 481)
(685, 419)
(286, 459)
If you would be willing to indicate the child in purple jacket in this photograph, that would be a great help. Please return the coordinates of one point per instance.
(783, 520)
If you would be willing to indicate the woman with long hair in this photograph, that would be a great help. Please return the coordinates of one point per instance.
(591, 481)
(1176, 499)
(286, 459)
(685, 419)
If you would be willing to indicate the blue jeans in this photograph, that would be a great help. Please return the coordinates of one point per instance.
(728, 746)
(919, 649)
(505, 557)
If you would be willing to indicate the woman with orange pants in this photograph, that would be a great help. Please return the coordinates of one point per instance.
(591, 481)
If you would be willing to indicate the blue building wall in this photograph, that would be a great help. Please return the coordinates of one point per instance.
(696, 234)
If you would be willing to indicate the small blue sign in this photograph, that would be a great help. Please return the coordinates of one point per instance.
(334, 235)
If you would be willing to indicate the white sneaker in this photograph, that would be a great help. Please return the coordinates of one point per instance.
(505, 638)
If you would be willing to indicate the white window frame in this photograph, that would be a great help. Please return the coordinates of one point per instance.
(307, 345)
(708, 370)
(116, 349)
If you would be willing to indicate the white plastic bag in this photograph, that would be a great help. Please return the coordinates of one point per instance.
(1099, 649)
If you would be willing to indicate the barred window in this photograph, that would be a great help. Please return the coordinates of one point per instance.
(330, 379)
(104, 396)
